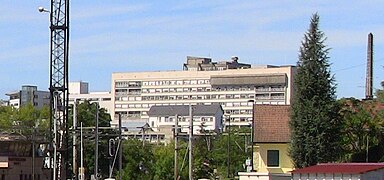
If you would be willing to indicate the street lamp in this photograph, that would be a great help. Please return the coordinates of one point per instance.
(228, 116)
(42, 9)
(252, 131)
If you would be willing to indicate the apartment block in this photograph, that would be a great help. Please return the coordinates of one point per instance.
(28, 95)
(231, 84)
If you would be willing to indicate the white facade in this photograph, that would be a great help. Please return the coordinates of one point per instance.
(262, 176)
(79, 91)
(134, 93)
(102, 98)
(209, 121)
(78, 87)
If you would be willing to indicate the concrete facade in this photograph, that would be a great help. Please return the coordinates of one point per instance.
(29, 95)
(134, 93)
(80, 92)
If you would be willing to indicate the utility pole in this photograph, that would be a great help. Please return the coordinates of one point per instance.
(97, 143)
(176, 133)
(252, 132)
(74, 164)
(120, 148)
(81, 169)
(229, 148)
(190, 143)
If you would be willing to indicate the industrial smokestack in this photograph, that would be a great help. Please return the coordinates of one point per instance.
(369, 80)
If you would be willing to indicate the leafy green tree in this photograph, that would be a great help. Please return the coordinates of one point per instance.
(25, 119)
(315, 124)
(7, 115)
(238, 153)
(137, 160)
(86, 114)
(362, 129)
(164, 162)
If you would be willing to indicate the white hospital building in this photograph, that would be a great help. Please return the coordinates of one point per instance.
(231, 84)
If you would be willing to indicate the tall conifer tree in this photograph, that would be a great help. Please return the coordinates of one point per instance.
(315, 124)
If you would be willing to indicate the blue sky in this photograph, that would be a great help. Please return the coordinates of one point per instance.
(125, 36)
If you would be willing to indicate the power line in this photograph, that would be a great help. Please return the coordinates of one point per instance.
(355, 66)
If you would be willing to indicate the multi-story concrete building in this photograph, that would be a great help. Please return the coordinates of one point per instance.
(230, 84)
(79, 91)
(29, 95)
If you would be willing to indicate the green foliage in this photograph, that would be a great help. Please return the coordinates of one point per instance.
(362, 129)
(315, 124)
(238, 153)
(210, 152)
(86, 113)
(138, 160)
(164, 165)
(24, 119)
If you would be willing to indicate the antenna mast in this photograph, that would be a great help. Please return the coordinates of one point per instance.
(59, 17)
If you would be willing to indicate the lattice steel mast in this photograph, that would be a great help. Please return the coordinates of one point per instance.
(59, 17)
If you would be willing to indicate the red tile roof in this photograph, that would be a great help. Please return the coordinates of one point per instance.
(351, 168)
(272, 123)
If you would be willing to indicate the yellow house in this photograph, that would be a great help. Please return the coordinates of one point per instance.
(271, 143)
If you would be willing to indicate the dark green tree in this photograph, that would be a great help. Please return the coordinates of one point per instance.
(164, 165)
(86, 114)
(138, 160)
(362, 132)
(238, 152)
(315, 123)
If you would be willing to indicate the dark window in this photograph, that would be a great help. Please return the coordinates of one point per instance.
(273, 158)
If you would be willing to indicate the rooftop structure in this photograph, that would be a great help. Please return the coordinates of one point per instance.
(362, 171)
(356, 168)
(206, 64)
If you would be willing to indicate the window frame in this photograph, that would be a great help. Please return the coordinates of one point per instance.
(273, 158)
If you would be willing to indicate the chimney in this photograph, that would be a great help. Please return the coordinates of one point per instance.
(369, 80)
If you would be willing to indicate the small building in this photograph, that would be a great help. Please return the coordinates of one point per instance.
(23, 157)
(206, 118)
(341, 171)
(271, 142)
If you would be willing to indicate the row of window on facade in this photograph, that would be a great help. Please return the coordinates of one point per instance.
(139, 114)
(185, 119)
(143, 105)
(120, 84)
(273, 96)
(199, 89)
(90, 99)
